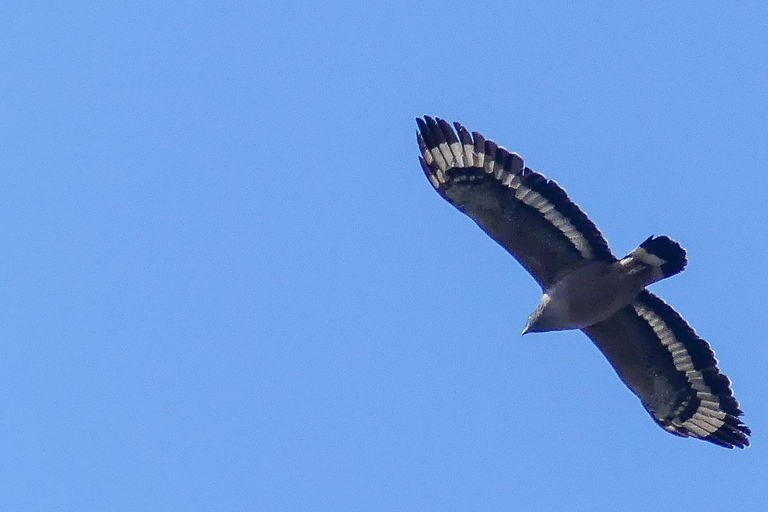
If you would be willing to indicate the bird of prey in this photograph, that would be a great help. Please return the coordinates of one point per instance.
(654, 351)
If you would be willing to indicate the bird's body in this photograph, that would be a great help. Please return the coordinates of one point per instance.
(595, 290)
(653, 350)
(579, 298)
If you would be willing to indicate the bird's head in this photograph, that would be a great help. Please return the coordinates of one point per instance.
(543, 319)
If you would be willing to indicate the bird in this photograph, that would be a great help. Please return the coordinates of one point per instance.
(654, 351)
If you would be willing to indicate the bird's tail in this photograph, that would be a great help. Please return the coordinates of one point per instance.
(659, 256)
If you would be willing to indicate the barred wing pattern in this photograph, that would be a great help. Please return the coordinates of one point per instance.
(527, 214)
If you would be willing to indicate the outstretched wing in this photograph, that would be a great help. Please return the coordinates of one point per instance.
(529, 215)
(672, 370)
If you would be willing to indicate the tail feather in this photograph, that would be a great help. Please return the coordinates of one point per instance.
(660, 253)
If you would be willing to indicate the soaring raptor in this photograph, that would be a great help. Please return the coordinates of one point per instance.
(653, 350)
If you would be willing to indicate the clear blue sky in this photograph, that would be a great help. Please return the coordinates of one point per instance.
(226, 284)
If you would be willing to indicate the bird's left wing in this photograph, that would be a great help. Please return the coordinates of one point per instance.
(527, 214)
(672, 370)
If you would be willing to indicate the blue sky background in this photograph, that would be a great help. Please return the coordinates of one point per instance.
(226, 284)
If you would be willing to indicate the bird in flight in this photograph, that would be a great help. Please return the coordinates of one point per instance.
(654, 351)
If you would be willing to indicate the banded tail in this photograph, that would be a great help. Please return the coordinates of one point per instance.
(661, 256)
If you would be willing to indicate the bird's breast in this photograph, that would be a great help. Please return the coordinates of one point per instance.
(593, 293)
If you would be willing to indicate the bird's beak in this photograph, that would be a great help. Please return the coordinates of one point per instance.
(527, 328)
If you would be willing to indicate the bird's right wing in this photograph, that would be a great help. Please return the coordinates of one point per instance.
(672, 370)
